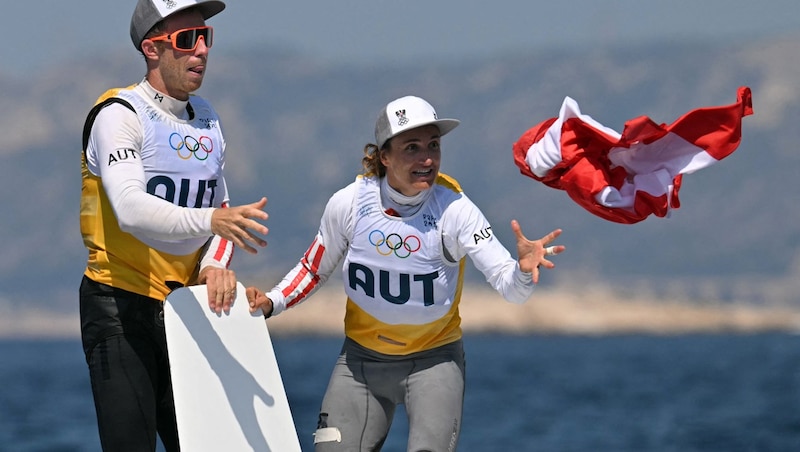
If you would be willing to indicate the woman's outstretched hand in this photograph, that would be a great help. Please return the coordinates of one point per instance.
(533, 254)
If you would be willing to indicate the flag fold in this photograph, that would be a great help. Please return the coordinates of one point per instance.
(626, 177)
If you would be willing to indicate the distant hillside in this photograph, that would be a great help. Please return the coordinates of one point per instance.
(296, 129)
(592, 311)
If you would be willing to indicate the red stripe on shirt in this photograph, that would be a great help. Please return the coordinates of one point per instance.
(223, 245)
(310, 261)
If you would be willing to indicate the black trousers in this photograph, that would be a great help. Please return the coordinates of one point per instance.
(126, 351)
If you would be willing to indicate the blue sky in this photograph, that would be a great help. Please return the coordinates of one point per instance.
(46, 32)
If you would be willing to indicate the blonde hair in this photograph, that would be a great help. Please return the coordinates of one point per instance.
(373, 166)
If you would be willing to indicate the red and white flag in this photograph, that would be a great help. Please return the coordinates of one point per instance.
(626, 177)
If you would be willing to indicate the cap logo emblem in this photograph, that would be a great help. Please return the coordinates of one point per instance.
(401, 117)
(170, 4)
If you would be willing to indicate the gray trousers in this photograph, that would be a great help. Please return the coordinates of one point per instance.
(366, 387)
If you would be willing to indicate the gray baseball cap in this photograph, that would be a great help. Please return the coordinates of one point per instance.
(150, 12)
(406, 113)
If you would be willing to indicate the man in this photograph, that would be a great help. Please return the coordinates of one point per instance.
(154, 217)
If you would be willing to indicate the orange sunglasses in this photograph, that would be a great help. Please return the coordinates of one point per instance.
(186, 39)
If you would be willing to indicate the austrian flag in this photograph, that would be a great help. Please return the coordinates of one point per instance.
(625, 177)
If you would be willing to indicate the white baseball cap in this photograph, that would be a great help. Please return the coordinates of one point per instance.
(407, 113)
(150, 12)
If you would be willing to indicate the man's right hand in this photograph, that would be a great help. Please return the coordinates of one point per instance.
(238, 224)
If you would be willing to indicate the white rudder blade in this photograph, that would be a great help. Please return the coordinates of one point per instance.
(229, 395)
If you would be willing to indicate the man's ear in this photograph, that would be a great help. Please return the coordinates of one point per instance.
(149, 49)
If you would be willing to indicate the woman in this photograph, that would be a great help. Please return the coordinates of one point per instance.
(403, 231)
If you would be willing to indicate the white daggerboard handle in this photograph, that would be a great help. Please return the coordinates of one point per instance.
(229, 395)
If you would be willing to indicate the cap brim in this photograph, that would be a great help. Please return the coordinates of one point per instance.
(444, 125)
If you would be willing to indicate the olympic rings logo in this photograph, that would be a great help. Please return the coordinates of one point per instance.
(189, 146)
(393, 243)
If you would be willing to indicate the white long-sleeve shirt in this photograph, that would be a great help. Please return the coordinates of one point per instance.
(161, 186)
(464, 231)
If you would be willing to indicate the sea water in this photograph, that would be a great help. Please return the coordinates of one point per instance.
(722, 392)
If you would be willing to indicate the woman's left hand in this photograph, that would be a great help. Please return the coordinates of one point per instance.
(533, 254)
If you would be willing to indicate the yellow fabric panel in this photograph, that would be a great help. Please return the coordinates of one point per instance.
(404, 339)
(117, 258)
(447, 181)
